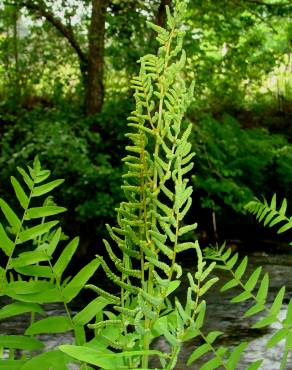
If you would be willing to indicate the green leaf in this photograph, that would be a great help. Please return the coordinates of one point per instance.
(54, 242)
(230, 284)
(276, 306)
(253, 279)
(56, 324)
(190, 333)
(199, 352)
(235, 356)
(201, 315)
(108, 360)
(28, 258)
(90, 311)
(241, 297)
(51, 360)
(241, 268)
(42, 176)
(288, 320)
(255, 365)
(273, 202)
(46, 188)
(285, 227)
(80, 279)
(45, 211)
(277, 337)
(33, 291)
(212, 336)
(35, 231)
(232, 261)
(263, 289)
(11, 364)
(283, 208)
(207, 286)
(264, 322)
(19, 192)
(212, 364)
(6, 244)
(65, 257)
(254, 309)
(173, 285)
(20, 342)
(10, 216)
(26, 177)
(38, 271)
(19, 308)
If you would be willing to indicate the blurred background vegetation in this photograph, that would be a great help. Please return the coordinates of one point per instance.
(65, 67)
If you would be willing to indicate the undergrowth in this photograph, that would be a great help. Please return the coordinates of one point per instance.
(142, 249)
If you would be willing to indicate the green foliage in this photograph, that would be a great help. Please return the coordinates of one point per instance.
(270, 215)
(29, 277)
(75, 151)
(255, 288)
(234, 164)
(142, 252)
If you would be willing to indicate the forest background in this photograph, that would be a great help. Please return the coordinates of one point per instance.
(65, 71)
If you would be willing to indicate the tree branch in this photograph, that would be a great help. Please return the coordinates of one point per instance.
(40, 8)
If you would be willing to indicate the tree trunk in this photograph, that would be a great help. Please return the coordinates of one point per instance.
(94, 93)
(161, 14)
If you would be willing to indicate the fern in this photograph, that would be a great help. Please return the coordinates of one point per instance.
(255, 288)
(150, 220)
(31, 278)
(269, 214)
(142, 248)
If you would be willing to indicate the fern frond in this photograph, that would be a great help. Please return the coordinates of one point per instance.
(269, 214)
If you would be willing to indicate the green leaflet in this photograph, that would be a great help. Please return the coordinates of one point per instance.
(33, 292)
(241, 268)
(254, 310)
(36, 271)
(253, 279)
(65, 257)
(47, 361)
(54, 242)
(263, 289)
(11, 364)
(256, 365)
(19, 192)
(10, 216)
(45, 211)
(6, 244)
(199, 352)
(46, 188)
(277, 337)
(90, 311)
(235, 356)
(35, 231)
(80, 279)
(28, 258)
(20, 342)
(110, 361)
(19, 308)
(276, 306)
(56, 324)
(264, 322)
(26, 177)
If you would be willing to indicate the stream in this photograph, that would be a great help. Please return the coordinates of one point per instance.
(221, 315)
